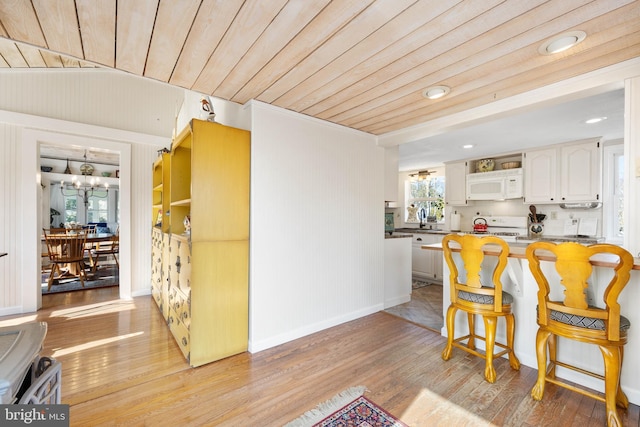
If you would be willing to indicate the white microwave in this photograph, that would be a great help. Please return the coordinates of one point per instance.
(497, 185)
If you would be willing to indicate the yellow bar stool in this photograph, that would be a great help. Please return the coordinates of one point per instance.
(564, 311)
(476, 298)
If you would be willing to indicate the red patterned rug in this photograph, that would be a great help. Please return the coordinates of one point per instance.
(358, 412)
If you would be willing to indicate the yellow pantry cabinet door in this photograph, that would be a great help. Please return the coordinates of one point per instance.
(219, 300)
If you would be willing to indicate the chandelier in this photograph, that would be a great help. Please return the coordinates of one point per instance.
(85, 188)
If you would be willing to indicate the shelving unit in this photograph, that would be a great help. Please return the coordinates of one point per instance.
(200, 280)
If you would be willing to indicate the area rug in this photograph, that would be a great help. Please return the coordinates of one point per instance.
(349, 408)
(103, 278)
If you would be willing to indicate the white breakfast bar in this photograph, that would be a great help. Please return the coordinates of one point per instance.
(519, 282)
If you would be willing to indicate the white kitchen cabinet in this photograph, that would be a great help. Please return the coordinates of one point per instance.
(567, 173)
(426, 265)
(455, 192)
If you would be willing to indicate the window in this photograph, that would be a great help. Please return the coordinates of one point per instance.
(425, 196)
(98, 207)
(70, 208)
(613, 198)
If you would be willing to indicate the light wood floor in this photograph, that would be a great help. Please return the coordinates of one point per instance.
(425, 307)
(121, 367)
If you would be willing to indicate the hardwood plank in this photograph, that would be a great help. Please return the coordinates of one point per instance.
(360, 27)
(21, 23)
(133, 33)
(372, 30)
(172, 26)
(252, 19)
(326, 24)
(211, 23)
(295, 15)
(441, 62)
(121, 367)
(526, 68)
(97, 22)
(60, 25)
(32, 56)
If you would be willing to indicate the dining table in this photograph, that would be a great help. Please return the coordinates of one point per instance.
(93, 238)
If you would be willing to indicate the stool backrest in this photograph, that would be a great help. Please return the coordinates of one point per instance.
(573, 265)
(471, 249)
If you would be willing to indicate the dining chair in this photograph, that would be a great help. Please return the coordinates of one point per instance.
(111, 247)
(479, 295)
(565, 310)
(66, 251)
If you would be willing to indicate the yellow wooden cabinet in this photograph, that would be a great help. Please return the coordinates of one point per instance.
(200, 279)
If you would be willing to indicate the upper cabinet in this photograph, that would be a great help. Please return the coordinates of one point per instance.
(455, 192)
(567, 173)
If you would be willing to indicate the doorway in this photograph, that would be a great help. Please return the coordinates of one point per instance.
(32, 202)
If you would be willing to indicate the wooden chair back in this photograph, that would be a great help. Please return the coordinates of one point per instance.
(574, 268)
(471, 251)
(66, 248)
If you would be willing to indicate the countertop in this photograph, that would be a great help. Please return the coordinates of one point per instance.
(517, 250)
(424, 231)
(396, 235)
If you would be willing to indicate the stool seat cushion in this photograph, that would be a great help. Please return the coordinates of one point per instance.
(586, 322)
(507, 298)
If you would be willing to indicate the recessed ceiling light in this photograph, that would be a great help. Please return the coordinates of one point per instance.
(467, 146)
(595, 120)
(436, 92)
(562, 42)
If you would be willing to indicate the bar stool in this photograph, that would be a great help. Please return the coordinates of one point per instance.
(563, 311)
(475, 298)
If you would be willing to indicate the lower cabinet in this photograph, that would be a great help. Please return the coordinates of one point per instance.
(426, 264)
(201, 288)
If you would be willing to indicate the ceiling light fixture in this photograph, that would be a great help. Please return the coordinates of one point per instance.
(595, 120)
(467, 146)
(420, 175)
(562, 42)
(436, 92)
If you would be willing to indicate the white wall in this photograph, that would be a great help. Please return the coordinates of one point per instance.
(317, 241)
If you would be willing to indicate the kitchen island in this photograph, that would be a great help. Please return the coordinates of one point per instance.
(519, 282)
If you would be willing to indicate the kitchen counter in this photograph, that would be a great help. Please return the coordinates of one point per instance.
(517, 250)
(519, 282)
(396, 235)
(424, 231)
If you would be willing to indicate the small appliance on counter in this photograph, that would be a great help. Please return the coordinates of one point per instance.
(508, 228)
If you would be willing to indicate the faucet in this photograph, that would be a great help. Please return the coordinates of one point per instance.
(422, 214)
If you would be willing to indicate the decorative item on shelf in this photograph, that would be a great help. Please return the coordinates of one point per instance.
(46, 168)
(187, 225)
(510, 165)
(206, 109)
(68, 169)
(485, 165)
(86, 168)
(106, 174)
(159, 219)
(117, 173)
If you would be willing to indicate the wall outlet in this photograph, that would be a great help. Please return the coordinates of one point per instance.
(553, 215)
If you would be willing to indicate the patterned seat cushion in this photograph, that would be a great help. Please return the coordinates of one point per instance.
(586, 322)
(484, 299)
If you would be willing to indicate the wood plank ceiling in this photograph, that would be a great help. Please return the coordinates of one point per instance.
(359, 63)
